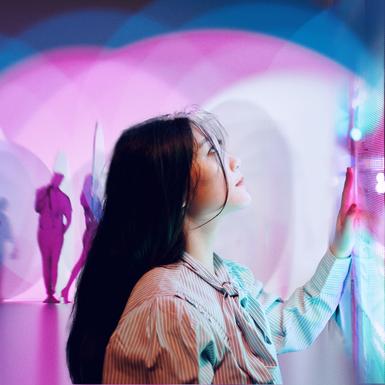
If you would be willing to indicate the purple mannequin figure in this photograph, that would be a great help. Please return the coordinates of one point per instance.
(86, 200)
(51, 203)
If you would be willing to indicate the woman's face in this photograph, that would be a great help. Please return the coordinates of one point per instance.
(211, 190)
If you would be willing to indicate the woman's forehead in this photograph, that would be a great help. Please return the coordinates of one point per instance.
(199, 136)
(209, 133)
(202, 135)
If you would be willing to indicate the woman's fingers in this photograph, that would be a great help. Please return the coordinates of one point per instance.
(351, 214)
(347, 193)
(348, 228)
(346, 233)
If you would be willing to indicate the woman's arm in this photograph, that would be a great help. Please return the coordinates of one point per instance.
(159, 342)
(295, 323)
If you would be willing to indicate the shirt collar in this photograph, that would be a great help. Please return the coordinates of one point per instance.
(221, 280)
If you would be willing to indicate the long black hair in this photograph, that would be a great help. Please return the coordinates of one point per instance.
(148, 182)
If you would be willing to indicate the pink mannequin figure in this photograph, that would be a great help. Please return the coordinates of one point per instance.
(91, 207)
(52, 204)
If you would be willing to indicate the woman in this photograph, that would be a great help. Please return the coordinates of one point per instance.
(91, 208)
(154, 302)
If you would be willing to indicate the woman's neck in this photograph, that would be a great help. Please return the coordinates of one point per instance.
(200, 243)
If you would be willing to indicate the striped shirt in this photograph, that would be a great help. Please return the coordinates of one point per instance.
(183, 324)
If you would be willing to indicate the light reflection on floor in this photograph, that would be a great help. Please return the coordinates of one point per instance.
(33, 337)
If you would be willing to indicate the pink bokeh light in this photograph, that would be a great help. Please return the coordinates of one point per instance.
(50, 102)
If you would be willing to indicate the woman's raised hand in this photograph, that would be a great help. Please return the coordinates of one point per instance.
(347, 219)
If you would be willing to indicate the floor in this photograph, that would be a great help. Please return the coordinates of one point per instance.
(33, 337)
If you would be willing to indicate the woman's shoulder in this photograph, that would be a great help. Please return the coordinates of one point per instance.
(160, 281)
(165, 308)
(163, 324)
(136, 323)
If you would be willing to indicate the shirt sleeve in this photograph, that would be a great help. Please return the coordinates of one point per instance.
(296, 322)
(160, 342)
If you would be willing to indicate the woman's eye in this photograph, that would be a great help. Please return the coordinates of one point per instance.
(211, 148)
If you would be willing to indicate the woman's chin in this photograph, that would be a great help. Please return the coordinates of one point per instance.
(243, 199)
(240, 203)
(245, 203)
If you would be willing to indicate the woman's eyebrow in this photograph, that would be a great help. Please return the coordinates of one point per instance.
(203, 142)
(206, 140)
